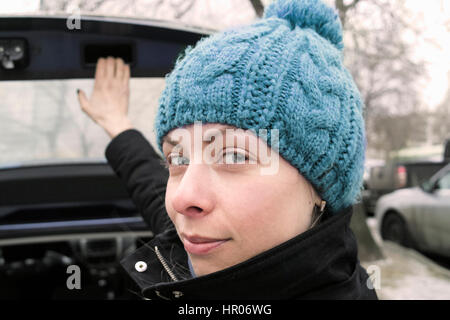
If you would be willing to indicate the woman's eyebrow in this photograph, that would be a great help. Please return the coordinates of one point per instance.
(169, 141)
(212, 133)
(223, 132)
(207, 136)
(249, 142)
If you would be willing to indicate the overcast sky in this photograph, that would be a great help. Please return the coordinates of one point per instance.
(433, 13)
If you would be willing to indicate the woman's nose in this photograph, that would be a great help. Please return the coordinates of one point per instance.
(194, 195)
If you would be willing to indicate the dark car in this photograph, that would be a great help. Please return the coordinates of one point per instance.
(62, 208)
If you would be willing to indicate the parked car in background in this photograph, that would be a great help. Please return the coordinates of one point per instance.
(386, 178)
(418, 217)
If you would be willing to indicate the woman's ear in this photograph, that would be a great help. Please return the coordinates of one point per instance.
(316, 199)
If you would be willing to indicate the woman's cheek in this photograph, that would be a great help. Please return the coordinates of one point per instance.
(168, 201)
(251, 206)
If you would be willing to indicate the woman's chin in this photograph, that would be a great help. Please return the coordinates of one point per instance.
(204, 266)
(203, 269)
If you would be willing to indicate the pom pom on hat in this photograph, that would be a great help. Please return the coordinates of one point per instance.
(312, 14)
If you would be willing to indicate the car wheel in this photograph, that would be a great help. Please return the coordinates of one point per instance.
(394, 229)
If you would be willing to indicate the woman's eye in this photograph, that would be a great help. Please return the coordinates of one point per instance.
(235, 157)
(177, 160)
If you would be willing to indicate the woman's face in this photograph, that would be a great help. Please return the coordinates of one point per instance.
(224, 208)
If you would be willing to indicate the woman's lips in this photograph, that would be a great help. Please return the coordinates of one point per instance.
(200, 245)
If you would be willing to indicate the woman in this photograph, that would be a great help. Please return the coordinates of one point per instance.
(261, 210)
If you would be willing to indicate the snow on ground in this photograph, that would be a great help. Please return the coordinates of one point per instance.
(406, 274)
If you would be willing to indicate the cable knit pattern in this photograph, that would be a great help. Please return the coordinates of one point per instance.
(283, 72)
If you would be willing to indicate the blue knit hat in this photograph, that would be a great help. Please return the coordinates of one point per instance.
(284, 72)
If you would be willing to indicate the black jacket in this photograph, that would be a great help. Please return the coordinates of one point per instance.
(320, 263)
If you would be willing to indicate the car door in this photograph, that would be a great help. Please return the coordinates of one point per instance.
(441, 222)
(430, 214)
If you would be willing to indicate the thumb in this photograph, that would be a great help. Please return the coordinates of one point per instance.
(82, 98)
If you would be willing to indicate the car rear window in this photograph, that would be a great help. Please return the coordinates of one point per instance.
(41, 121)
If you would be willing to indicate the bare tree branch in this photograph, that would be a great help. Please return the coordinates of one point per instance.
(382, 64)
(180, 11)
(258, 6)
(344, 8)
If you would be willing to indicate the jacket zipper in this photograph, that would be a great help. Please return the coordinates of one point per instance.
(164, 264)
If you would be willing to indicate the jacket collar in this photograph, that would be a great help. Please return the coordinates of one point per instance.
(320, 263)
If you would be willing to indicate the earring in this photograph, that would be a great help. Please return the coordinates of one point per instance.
(322, 210)
(322, 206)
